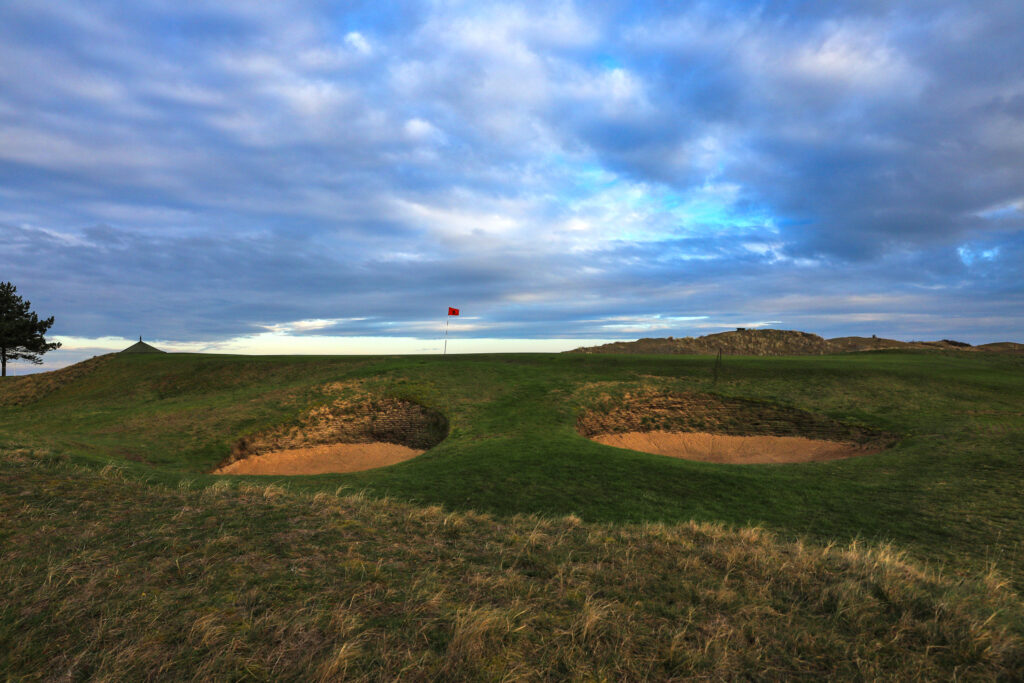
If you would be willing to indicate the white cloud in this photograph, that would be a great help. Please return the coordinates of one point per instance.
(733, 325)
(80, 348)
(857, 55)
(645, 324)
(307, 325)
(357, 41)
(970, 256)
(1003, 210)
(421, 131)
(470, 227)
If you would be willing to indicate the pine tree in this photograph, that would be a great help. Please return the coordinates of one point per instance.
(21, 330)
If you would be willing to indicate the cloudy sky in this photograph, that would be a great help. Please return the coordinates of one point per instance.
(313, 176)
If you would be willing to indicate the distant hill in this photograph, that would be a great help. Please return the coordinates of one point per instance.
(1002, 347)
(743, 342)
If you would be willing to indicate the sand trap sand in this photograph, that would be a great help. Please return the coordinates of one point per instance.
(338, 457)
(737, 450)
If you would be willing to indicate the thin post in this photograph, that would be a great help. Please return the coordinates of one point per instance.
(718, 364)
(447, 320)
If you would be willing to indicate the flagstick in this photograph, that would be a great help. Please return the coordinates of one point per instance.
(447, 320)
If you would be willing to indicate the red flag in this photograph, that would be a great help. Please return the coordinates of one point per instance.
(453, 311)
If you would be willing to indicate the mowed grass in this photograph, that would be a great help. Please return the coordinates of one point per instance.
(269, 554)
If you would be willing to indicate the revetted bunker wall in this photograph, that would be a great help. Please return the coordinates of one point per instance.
(390, 420)
(719, 415)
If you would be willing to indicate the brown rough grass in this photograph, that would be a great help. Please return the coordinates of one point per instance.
(742, 342)
(17, 391)
(109, 577)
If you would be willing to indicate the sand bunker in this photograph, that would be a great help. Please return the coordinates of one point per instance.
(322, 459)
(736, 450)
(350, 433)
(726, 430)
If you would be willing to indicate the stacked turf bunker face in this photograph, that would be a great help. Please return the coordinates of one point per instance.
(344, 436)
(726, 430)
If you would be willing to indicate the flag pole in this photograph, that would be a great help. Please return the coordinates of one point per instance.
(447, 320)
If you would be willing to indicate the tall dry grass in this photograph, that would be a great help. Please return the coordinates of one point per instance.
(107, 576)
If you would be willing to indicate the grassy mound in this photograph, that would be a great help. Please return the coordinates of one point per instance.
(743, 342)
(736, 342)
(1003, 347)
(25, 389)
(106, 575)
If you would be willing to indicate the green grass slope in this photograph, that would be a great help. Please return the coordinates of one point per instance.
(951, 487)
(949, 494)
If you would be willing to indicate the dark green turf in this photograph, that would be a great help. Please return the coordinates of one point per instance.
(951, 491)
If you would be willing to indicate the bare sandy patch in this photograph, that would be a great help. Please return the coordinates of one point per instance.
(323, 459)
(736, 450)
